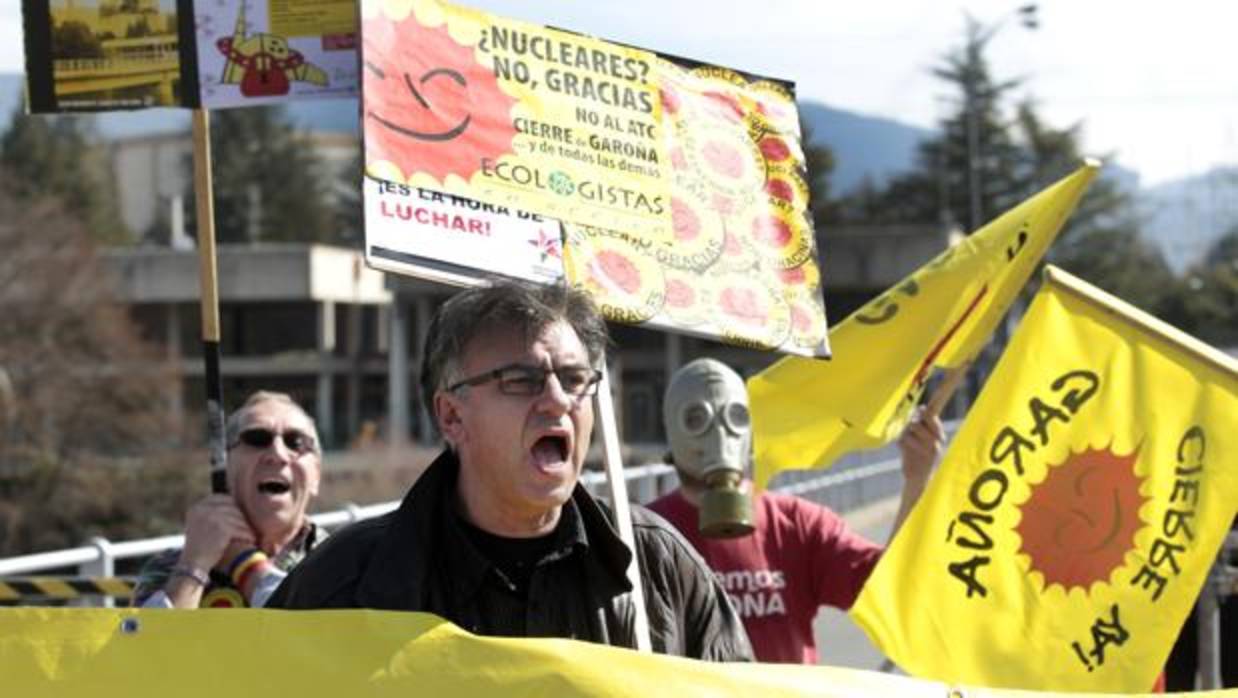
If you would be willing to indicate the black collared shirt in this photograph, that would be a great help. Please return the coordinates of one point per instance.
(502, 586)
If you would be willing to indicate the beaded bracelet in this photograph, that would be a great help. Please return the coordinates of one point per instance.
(190, 573)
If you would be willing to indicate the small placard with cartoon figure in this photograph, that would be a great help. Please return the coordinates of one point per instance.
(262, 51)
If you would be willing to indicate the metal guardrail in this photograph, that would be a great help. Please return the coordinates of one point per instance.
(645, 483)
(98, 557)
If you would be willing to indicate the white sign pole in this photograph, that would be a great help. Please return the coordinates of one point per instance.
(612, 459)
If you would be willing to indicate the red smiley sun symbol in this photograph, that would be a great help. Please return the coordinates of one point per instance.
(429, 106)
(1081, 520)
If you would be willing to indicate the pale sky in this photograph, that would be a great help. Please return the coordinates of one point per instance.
(1152, 82)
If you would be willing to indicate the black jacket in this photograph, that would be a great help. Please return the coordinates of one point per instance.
(396, 562)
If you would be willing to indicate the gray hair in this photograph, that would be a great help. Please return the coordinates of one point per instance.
(236, 420)
(505, 305)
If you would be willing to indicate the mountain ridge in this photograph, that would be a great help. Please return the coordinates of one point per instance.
(1183, 216)
(864, 146)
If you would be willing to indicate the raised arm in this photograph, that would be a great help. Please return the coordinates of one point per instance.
(920, 445)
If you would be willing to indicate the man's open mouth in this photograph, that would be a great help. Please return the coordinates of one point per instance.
(273, 487)
(549, 450)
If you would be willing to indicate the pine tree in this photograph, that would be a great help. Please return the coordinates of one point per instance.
(268, 183)
(941, 179)
(1209, 295)
(349, 213)
(819, 163)
(1017, 154)
(61, 156)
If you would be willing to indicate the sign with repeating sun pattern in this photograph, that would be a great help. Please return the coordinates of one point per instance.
(740, 265)
(681, 187)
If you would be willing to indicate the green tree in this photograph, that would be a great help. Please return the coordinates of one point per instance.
(941, 177)
(61, 156)
(1016, 153)
(268, 183)
(349, 214)
(819, 165)
(1209, 295)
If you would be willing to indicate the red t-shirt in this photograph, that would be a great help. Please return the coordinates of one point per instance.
(800, 556)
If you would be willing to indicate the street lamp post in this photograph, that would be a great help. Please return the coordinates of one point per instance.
(1029, 20)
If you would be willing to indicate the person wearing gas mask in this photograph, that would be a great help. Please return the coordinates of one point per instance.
(779, 557)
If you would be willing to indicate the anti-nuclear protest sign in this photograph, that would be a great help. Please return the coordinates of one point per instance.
(106, 55)
(1066, 534)
(681, 186)
(437, 236)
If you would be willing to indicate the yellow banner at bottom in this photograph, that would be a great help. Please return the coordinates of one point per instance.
(103, 653)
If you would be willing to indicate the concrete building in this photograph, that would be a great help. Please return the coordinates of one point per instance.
(156, 170)
(305, 319)
(345, 340)
(313, 321)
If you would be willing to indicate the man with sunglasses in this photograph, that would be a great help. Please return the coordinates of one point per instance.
(780, 558)
(239, 545)
(497, 536)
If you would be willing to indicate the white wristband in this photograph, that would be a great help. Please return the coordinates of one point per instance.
(201, 578)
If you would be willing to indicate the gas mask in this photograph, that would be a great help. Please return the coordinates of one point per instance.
(707, 422)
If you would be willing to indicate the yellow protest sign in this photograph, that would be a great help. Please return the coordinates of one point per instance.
(315, 18)
(681, 186)
(514, 114)
(741, 267)
(807, 413)
(1065, 537)
(106, 653)
(92, 56)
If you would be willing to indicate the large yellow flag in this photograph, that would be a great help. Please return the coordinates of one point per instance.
(1067, 533)
(135, 653)
(808, 412)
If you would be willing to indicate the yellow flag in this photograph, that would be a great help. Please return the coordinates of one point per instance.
(1067, 533)
(808, 412)
(136, 653)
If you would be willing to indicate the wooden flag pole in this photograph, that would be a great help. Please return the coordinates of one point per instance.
(945, 390)
(617, 484)
(209, 283)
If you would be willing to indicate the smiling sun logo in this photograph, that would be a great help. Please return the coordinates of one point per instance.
(430, 106)
(1081, 520)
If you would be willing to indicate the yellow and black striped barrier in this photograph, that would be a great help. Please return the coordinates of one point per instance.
(63, 588)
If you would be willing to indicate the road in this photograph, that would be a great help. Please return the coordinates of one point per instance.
(840, 642)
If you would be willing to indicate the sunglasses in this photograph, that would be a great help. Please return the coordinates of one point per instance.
(296, 441)
(695, 418)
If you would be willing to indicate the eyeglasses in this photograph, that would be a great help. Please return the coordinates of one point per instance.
(696, 417)
(296, 441)
(518, 379)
